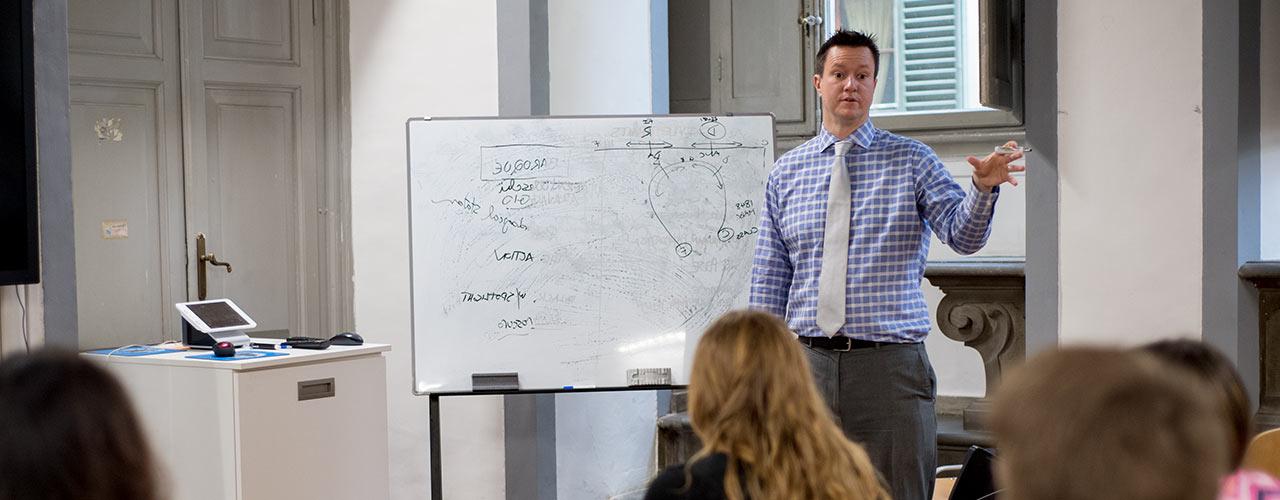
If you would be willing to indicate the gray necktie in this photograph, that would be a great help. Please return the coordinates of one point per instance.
(835, 247)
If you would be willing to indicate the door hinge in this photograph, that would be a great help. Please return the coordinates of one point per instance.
(313, 12)
(719, 68)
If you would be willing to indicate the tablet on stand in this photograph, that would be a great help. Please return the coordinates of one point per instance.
(207, 322)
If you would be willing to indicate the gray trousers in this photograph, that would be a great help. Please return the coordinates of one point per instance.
(884, 399)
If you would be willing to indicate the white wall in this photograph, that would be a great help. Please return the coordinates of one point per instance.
(600, 62)
(414, 58)
(599, 57)
(1130, 163)
(1270, 128)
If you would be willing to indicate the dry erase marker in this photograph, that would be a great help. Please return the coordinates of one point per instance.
(1006, 150)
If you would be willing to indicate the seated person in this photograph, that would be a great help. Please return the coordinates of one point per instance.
(1103, 424)
(67, 431)
(1232, 403)
(766, 432)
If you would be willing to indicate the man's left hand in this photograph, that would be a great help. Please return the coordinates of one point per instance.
(995, 169)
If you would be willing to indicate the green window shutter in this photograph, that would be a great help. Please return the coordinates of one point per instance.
(931, 54)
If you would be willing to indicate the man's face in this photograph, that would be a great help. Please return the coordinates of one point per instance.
(846, 86)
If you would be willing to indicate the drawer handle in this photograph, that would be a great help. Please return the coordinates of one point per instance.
(316, 389)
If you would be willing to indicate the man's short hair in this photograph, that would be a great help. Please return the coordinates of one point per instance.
(1104, 424)
(847, 38)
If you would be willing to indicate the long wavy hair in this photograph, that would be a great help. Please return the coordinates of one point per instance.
(751, 397)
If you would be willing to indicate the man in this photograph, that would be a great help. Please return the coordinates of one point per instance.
(848, 284)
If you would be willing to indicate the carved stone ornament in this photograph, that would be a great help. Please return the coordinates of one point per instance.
(1265, 275)
(985, 308)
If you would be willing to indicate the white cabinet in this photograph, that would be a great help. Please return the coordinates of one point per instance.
(311, 424)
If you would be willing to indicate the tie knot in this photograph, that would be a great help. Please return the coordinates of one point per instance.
(842, 147)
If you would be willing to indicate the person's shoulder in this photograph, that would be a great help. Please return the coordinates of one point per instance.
(1249, 484)
(707, 476)
(886, 140)
(667, 484)
(806, 149)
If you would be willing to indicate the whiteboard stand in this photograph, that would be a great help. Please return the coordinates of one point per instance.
(569, 249)
(437, 489)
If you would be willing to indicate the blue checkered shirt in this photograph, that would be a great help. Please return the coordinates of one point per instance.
(900, 190)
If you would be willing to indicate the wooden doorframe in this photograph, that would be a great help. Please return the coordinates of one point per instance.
(337, 154)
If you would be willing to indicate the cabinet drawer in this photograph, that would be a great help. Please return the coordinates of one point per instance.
(313, 431)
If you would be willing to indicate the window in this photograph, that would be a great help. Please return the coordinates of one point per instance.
(930, 60)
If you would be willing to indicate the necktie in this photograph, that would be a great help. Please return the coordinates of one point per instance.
(835, 247)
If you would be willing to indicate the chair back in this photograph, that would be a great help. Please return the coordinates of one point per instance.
(1263, 453)
(977, 476)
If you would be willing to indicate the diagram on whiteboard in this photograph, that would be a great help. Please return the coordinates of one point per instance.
(570, 249)
(688, 180)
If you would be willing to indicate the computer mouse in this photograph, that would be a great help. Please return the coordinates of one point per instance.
(224, 350)
(347, 338)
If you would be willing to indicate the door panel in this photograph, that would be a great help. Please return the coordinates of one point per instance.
(265, 31)
(118, 226)
(114, 27)
(757, 56)
(126, 168)
(253, 203)
(764, 60)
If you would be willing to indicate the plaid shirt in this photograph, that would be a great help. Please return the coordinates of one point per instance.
(899, 190)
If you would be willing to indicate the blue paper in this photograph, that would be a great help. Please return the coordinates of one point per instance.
(240, 355)
(132, 351)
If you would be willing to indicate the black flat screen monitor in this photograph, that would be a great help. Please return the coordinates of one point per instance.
(19, 227)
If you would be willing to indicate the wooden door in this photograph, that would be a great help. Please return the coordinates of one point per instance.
(252, 97)
(126, 152)
(203, 116)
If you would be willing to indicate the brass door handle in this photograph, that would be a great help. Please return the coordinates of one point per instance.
(213, 259)
(202, 259)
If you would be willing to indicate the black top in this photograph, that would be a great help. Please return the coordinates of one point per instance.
(708, 481)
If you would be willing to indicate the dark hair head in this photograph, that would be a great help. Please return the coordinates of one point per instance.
(1112, 424)
(847, 38)
(67, 430)
(1214, 368)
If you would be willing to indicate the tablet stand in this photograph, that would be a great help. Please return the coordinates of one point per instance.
(195, 338)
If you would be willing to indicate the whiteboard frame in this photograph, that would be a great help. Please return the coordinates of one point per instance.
(413, 337)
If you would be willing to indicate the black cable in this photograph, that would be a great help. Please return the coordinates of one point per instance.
(26, 339)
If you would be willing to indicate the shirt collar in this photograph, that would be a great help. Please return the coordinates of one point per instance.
(862, 136)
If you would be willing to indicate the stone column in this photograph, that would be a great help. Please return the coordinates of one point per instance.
(984, 307)
(1265, 275)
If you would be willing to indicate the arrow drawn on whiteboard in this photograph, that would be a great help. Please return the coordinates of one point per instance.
(713, 145)
(688, 185)
(643, 146)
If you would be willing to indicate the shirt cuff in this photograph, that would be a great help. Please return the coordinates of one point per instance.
(983, 203)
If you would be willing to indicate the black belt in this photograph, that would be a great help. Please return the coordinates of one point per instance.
(842, 343)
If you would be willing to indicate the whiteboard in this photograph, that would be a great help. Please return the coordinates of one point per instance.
(569, 250)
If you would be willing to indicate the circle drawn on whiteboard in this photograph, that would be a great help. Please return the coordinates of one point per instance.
(712, 130)
(684, 198)
(725, 234)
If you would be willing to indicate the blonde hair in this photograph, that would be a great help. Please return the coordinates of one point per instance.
(751, 397)
(1103, 424)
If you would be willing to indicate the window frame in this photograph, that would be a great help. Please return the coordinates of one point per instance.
(994, 54)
